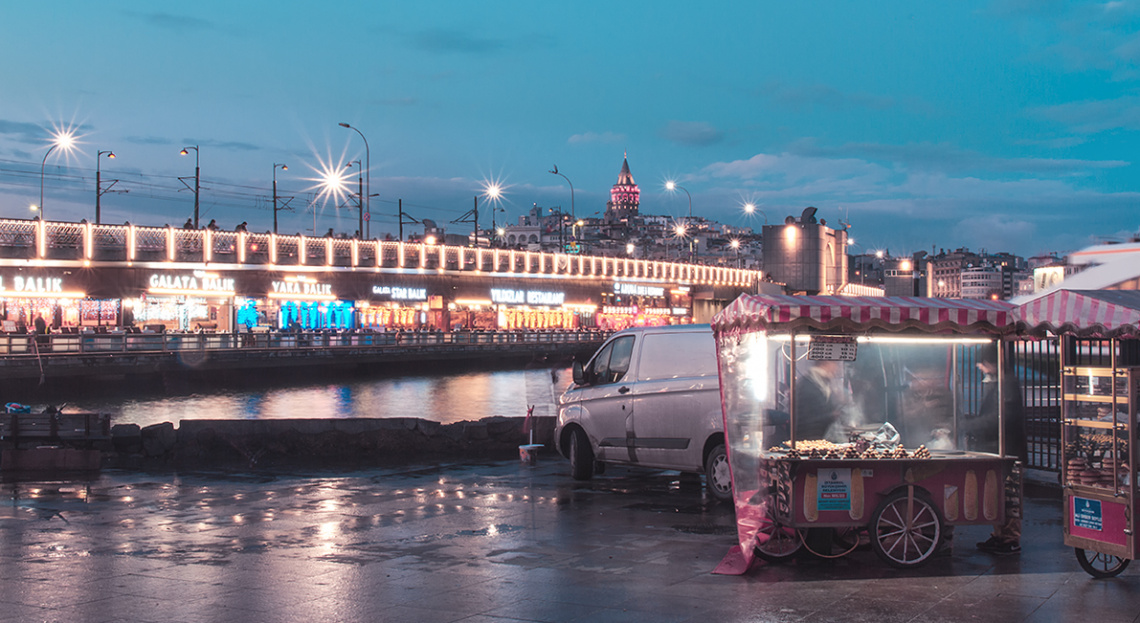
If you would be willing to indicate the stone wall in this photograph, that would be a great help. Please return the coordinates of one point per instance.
(332, 442)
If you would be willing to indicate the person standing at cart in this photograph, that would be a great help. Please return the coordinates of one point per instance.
(1006, 537)
(822, 400)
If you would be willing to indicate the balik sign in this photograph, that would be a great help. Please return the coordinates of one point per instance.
(34, 285)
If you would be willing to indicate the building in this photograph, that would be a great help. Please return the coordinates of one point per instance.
(625, 199)
(806, 255)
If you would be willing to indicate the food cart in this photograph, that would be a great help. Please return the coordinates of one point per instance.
(1100, 388)
(896, 461)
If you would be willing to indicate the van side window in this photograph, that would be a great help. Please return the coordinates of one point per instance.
(612, 362)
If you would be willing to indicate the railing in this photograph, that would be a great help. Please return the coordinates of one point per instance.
(62, 344)
(47, 240)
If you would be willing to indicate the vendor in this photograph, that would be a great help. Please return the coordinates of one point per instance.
(822, 400)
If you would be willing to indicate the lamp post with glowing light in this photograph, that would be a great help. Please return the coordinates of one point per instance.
(680, 231)
(64, 140)
(492, 192)
(365, 199)
(197, 178)
(750, 208)
(283, 168)
(672, 186)
(735, 243)
(99, 183)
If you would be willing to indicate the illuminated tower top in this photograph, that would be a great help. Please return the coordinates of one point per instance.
(624, 197)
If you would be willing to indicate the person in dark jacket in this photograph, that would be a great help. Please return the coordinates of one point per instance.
(1006, 537)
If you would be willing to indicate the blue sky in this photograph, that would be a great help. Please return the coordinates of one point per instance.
(1005, 126)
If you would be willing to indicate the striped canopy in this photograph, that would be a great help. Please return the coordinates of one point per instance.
(1085, 313)
(855, 313)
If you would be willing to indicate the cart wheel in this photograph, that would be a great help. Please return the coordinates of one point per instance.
(777, 543)
(903, 541)
(1100, 565)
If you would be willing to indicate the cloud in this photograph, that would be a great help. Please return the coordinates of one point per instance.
(235, 145)
(148, 140)
(808, 95)
(396, 101)
(950, 158)
(1095, 116)
(440, 40)
(596, 137)
(177, 23)
(696, 133)
(995, 231)
(22, 131)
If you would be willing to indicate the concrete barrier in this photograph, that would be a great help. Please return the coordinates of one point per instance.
(356, 441)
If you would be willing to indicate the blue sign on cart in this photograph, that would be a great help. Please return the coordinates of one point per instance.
(1087, 514)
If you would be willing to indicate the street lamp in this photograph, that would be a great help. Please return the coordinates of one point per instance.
(735, 243)
(359, 193)
(99, 183)
(197, 178)
(750, 207)
(64, 140)
(283, 168)
(680, 231)
(672, 186)
(368, 178)
(555, 171)
(493, 192)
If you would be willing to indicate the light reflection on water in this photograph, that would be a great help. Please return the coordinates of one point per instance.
(445, 398)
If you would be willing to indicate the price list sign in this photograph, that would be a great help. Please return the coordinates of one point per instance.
(832, 348)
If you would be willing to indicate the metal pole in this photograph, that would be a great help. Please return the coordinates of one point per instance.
(476, 220)
(400, 209)
(42, 165)
(98, 189)
(275, 198)
(197, 184)
(360, 205)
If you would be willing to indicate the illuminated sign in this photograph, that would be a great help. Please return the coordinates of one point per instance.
(526, 297)
(301, 288)
(634, 289)
(627, 311)
(36, 287)
(398, 293)
(199, 282)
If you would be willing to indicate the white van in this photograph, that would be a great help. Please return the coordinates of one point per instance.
(650, 397)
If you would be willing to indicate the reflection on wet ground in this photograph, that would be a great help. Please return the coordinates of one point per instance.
(497, 541)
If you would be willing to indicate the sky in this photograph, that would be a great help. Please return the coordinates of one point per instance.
(998, 126)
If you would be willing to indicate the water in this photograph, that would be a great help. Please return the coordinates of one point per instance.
(445, 398)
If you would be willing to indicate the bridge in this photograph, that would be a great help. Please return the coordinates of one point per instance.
(69, 356)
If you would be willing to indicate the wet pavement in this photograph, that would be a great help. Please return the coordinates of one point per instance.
(497, 541)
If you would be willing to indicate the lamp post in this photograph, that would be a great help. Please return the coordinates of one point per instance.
(64, 140)
(368, 177)
(671, 186)
(359, 193)
(283, 168)
(197, 178)
(750, 207)
(736, 245)
(99, 183)
(556, 172)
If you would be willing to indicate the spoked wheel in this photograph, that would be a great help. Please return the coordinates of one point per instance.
(905, 532)
(1101, 565)
(777, 543)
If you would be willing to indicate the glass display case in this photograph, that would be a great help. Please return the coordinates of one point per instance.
(1098, 433)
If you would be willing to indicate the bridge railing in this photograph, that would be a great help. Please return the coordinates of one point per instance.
(16, 345)
(51, 240)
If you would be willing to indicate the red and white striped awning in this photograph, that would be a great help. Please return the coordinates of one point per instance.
(855, 314)
(1086, 313)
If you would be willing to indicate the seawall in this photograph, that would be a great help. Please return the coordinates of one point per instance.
(242, 444)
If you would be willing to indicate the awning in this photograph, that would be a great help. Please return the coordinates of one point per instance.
(853, 314)
(1086, 313)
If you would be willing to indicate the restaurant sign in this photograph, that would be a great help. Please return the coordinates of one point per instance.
(505, 296)
(399, 293)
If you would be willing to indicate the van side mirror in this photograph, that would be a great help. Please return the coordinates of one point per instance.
(578, 373)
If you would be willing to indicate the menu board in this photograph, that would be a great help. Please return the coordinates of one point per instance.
(832, 348)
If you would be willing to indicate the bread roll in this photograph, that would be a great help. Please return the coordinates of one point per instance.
(856, 511)
(990, 496)
(811, 490)
(950, 496)
(970, 496)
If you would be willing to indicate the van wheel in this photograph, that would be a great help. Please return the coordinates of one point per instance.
(581, 456)
(718, 475)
